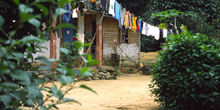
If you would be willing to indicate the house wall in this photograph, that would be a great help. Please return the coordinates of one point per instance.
(111, 41)
(46, 52)
(111, 33)
(111, 44)
(88, 22)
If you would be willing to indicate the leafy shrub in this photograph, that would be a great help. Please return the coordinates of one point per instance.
(187, 74)
(22, 85)
(149, 44)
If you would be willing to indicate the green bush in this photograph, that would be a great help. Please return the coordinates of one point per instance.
(21, 35)
(187, 74)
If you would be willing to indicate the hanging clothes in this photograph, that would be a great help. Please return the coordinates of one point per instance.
(74, 14)
(138, 25)
(130, 20)
(134, 23)
(112, 8)
(69, 33)
(66, 16)
(164, 32)
(117, 11)
(126, 21)
(154, 31)
(103, 5)
(122, 17)
(145, 29)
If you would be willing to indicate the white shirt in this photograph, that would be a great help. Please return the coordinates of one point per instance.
(112, 8)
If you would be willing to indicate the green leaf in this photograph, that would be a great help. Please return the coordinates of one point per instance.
(87, 88)
(77, 44)
(30, 102)
(38, 81)
(6, 99)
(44, 0)
(43, 8)
(212, 99)
(87, 44)
(25, 17)
(43, 67)
(9, 85)
(215, 93)
(93, 62)
(71, 100)
(85, 69)
(34, 22)
(3, 52)
(57, 93)
(34, 91)
(65, 79)
(63, 25)
(21, 75)
(24, 9)
(60, 11)
(64, 50)
(1, 21)
(63, 2)
(16, 1)
(44, 60)
(89, 57)
(30, 39)
(62, 70)
(85, 72)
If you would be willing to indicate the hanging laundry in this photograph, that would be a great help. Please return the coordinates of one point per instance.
(145, 29)
(103, 5)
(122, 17)
(138, 27)
(112, 8)
(74, 13)
(134, 23)
(117, 11)
(164, 32)
(141, 26)
(126, 22)
(153, 31)
(130, 20)
(66, 16)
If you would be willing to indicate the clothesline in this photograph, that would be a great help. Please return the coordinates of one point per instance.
(125, 18)
(128, 20)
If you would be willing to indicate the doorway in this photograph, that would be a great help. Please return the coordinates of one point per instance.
(93, 47)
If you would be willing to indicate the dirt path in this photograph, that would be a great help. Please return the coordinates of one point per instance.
(128, 92)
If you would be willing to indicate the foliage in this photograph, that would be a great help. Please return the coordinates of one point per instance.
(116, 73)
(202, 26)
(149, 44)
(187, 74)
(67, 56)
(21, 84)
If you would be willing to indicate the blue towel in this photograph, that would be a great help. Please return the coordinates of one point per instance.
(140, 25)
(117, 11)
(66, 16)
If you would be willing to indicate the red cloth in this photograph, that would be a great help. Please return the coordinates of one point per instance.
(138, 27)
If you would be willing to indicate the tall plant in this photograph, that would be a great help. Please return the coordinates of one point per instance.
(21, 35)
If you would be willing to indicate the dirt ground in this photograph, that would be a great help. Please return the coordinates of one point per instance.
(128, 92)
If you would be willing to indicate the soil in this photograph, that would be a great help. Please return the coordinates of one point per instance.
(128, 92)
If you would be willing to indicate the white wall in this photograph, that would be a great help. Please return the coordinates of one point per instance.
(45, 52)
(81, 29)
